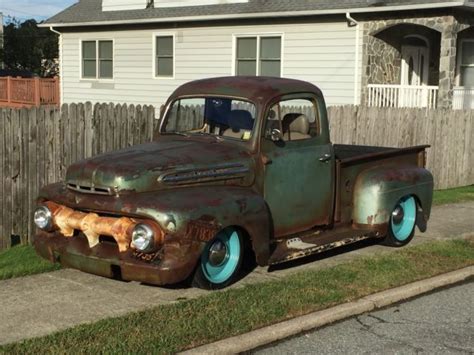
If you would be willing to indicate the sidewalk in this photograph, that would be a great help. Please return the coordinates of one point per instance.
(39, 305)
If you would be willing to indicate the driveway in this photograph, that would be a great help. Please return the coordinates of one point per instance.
(41, 304)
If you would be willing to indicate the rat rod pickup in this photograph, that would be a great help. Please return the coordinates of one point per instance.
(242, 169)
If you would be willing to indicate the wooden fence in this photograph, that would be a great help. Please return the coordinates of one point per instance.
(450, 134)
(19, 92)
(37, 145)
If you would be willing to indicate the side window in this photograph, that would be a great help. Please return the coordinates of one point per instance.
(164, 56)
(297, 119)
(467, 63)
(89, 59)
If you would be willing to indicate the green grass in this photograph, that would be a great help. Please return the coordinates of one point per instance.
(171, 328)
(22, 261)
(459, 194)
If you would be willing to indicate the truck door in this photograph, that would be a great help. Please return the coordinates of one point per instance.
(298, 164)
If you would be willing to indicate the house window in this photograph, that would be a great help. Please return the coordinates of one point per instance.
(97, 59)
(467, 63)
(164, 56)
(258, 55)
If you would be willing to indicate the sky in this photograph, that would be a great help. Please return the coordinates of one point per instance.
(37, 9)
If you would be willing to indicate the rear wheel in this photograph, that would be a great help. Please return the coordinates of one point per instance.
(221, 261)
(402, 222)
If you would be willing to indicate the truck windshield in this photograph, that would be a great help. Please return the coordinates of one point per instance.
(218, 116)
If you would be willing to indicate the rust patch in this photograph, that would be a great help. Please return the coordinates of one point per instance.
(316, 249)
(370, 219)
(92, 225)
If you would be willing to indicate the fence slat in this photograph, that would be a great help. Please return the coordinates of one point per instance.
(7, 177)
(2, 162)
(32, 167)
(23, 177)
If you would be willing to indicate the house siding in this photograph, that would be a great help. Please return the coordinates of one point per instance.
(322, 53)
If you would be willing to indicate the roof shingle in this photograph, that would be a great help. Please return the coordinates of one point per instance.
(90, 11)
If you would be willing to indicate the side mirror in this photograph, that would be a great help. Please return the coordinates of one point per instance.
(276, 135)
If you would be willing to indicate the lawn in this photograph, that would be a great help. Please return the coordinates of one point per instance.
(22, 261)
(171, 328)
(459, 194)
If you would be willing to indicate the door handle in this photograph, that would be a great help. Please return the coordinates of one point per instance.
(325, 158)
(266, 160)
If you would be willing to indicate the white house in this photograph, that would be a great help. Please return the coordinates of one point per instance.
(375, 52)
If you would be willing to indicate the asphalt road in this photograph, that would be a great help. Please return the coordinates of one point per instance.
(439, 323)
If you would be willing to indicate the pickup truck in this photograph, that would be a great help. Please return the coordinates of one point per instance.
(242, 170)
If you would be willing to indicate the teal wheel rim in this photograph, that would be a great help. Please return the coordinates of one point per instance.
(403, 227)
(221, 273)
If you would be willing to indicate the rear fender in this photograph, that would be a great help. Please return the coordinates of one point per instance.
(378, 190)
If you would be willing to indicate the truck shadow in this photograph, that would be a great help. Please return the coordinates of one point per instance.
(249, 267)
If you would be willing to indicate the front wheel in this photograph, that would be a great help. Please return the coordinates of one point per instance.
(221, 261)
(402, 222)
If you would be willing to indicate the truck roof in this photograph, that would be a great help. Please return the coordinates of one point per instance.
(252, 88)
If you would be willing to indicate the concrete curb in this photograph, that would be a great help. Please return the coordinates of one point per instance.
(270, 334)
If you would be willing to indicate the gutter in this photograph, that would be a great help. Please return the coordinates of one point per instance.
(61, 87)
(262, 14)
(354, 22)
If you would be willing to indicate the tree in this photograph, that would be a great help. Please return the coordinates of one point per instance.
(28, 47)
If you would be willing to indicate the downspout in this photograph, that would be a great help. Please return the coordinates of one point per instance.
(357, 93)
(61, 77)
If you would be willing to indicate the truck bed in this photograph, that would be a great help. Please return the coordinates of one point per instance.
(351, 160)
(347, 153)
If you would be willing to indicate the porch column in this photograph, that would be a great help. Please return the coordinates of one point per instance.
(447, 65)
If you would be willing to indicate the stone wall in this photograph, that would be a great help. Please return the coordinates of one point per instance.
(384, 62)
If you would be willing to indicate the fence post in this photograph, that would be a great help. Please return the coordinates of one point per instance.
(37, 92)
(9, 88)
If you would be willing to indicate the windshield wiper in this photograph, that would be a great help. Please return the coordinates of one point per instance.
(175, 133)
(217, 138)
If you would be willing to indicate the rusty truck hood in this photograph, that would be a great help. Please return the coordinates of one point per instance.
(168, 162)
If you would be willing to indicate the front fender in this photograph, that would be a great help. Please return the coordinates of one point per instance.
(200, 212)
(197, 212)
(378, 190)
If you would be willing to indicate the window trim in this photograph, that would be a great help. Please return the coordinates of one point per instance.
(317, 100)
(459, 61)
(97, 59)
(154, 73)
(259, 35)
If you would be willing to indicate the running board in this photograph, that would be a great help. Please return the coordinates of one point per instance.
(296, 248)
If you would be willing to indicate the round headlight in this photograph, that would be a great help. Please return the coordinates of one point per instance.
(143, 237)
(43, 218)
